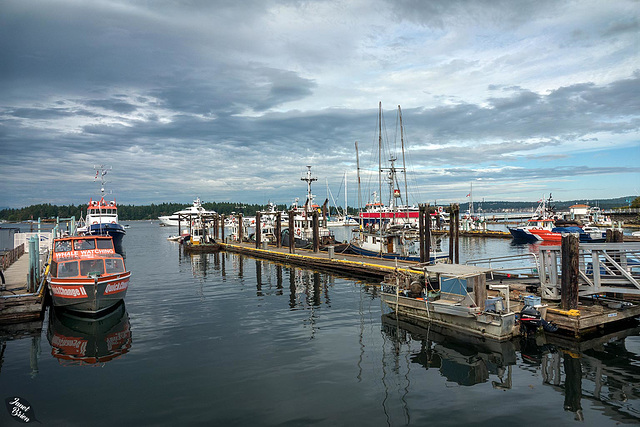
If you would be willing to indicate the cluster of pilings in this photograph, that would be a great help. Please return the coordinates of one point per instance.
(424, 231)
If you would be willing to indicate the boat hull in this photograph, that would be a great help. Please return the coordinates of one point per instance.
(523, 234)
(499, 327)
(365, 252)
(89, 296)
(114, 230)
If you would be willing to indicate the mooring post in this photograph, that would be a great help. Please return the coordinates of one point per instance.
(278, 230)
(222, 227)
(451, 233)
(240, 228)
(292, 232)
(316, 232)
(570, 264)
(215, 226)
(457, 231)
(427, 234)
(258, 230)
(421, 213)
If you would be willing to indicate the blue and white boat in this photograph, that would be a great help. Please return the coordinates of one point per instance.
(102, 216)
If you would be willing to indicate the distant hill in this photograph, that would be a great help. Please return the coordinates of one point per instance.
(558, 205)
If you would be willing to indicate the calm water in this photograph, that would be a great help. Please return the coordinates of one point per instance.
(220, 339)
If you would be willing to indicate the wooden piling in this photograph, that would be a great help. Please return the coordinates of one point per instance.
(316, 232)
(451, 233)
(258, 230)
(278, 230)
(427, 234)
(222, 227)
(421, 232)
(457, 234)
(570, 265)
(240, 228)
(292, 233)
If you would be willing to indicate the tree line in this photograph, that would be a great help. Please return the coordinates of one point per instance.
(153, 211)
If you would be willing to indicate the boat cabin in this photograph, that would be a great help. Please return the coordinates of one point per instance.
(101, 212)
(91, 267)
(81, 246)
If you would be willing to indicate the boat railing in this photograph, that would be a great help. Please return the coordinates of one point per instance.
(509, 267)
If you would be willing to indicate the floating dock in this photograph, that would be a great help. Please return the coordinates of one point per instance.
(591, 314)
(17, 303)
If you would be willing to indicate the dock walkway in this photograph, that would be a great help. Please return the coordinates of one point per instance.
(17, 304)
(361, 266)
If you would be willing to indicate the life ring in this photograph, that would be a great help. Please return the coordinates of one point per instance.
(113, 222)
(440, 209)
(94, 222)
(298, 232)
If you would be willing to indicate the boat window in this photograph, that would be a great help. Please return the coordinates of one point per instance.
(63, 246)
(83, 244)
(105, 244)
(91, 266)
(68, 269)
(114, 265)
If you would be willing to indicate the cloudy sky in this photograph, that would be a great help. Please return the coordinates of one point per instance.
(230, 100)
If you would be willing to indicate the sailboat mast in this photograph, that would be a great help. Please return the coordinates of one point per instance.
(359, 194)
(380, 167)
(345, 198)
(404, 165)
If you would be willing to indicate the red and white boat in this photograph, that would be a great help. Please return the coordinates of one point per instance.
(86, 274)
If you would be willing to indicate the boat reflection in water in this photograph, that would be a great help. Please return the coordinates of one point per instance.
(464, 360)
(78, 340)
(600, 373)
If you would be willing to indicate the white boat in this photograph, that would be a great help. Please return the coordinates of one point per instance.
(192, 211)
(102, 215)
(303, 220)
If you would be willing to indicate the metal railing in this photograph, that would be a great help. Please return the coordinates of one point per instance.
(510, 266)
(603, 268)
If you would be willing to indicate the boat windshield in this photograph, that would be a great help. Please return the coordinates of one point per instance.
(80, 245)
(68, 269)
(114, 265)
(105, 244)
(91, 266)
(63, 246)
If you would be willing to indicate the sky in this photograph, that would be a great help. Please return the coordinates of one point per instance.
(229, 101)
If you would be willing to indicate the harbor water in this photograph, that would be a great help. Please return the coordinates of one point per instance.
(223, 339)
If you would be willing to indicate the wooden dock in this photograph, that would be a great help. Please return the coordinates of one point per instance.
(352, 265)
(588, 317)
(17, 304)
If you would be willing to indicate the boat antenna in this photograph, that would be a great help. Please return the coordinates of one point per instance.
(101, 171)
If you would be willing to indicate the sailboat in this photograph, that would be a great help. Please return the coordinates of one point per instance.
(342, 219)
(390, 231)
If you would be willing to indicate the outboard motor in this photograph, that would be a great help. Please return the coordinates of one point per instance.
(531, 319)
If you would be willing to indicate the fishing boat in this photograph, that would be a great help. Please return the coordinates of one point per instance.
(86, 274)
(303, 220)
(452, 296)
(181, 217)
(542, 220)
(102, 215)
(390, 231)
